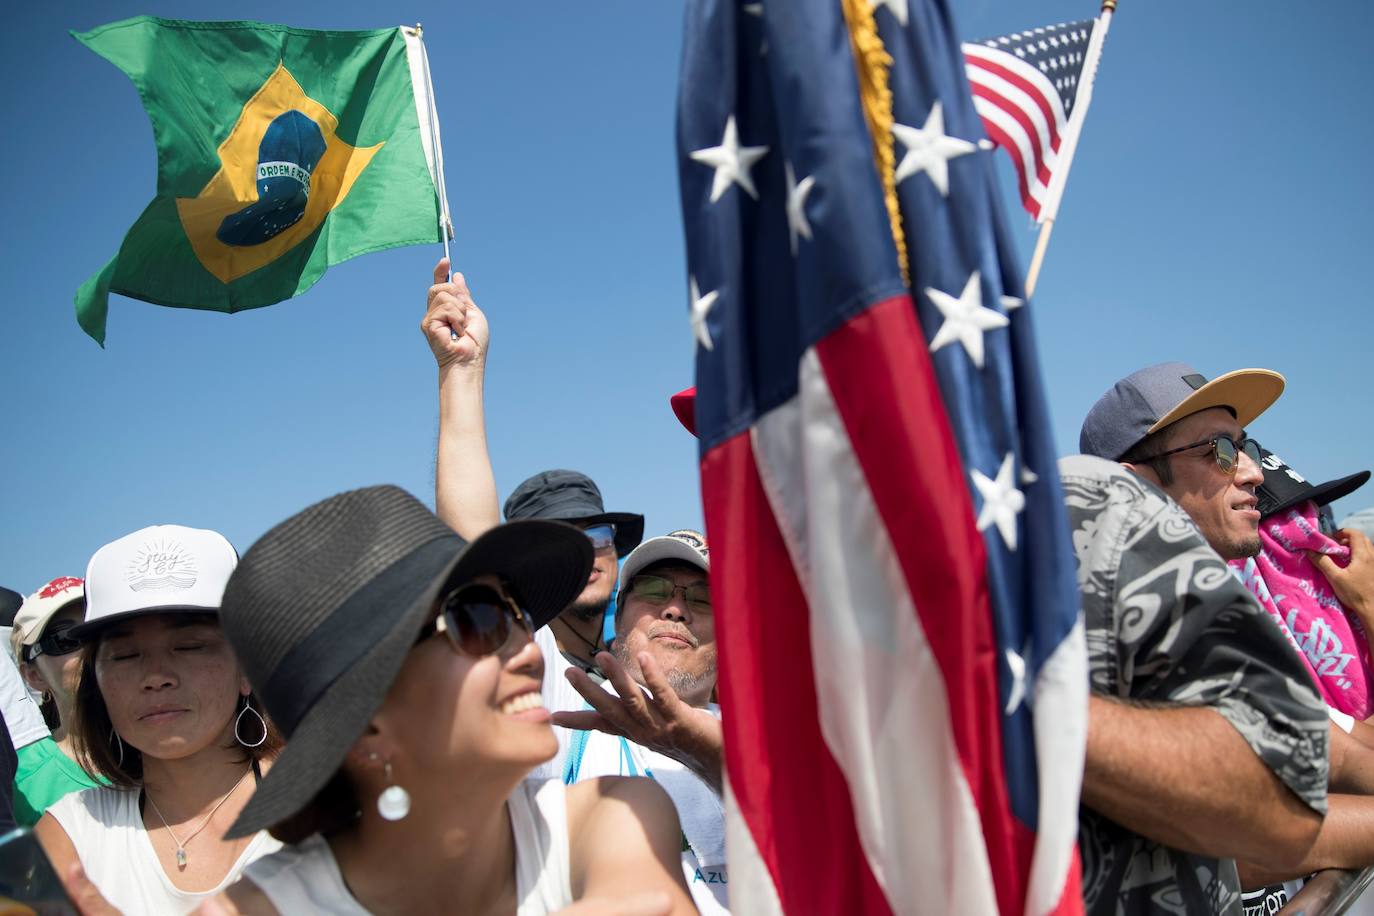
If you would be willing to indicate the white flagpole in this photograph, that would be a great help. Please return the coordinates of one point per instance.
(1055, 192)
(436, 147)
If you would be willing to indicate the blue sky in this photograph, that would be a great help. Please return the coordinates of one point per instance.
(1216, 214)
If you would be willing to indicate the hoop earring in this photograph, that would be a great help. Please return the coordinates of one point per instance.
(238, 720)
(394, 802)
(119, 743)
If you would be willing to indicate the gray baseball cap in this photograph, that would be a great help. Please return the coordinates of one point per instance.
(1145, 402)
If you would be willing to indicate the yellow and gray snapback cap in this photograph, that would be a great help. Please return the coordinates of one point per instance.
(1146, 401)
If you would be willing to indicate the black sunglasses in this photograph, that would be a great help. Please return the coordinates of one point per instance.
(478, 619)
(54, 642)
(1225, 449)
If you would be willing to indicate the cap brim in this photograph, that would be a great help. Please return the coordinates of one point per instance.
(32, 633)
(1248, 392)
(1324, 493)
(90, 628)
(685, 406)
(547, 562)
(659, 549)
(629, 528)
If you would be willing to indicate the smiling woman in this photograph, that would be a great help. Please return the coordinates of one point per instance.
(407, 683)
(163, 714)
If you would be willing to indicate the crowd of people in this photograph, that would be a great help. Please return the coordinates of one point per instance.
(379, 708)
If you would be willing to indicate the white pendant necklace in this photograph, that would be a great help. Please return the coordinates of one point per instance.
(181, 844)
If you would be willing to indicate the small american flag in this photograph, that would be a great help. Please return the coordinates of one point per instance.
(1025, 86)
(902, 668)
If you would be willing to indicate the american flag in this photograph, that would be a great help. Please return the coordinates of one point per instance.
(901, 666)
(1025, 86)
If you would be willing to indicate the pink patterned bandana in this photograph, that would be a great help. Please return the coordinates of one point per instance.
(1296, 594)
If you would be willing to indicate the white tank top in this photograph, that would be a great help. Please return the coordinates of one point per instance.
(305, 878)
(107, 830)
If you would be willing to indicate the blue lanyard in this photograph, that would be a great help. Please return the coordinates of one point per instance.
(578, 746)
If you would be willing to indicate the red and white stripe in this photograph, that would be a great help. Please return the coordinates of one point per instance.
(1022, 113)
(858, 658)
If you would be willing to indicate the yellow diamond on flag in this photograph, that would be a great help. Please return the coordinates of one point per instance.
(282, 170)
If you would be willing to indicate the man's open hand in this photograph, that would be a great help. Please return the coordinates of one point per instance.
(656, 718)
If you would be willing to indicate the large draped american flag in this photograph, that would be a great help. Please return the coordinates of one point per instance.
(1025, 88)
(902, 670)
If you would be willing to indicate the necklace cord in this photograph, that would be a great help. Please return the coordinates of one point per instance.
(181, 844)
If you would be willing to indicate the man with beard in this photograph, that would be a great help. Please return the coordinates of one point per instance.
(1210, 762)
(572, 497)
(665, 641)
(574, 637)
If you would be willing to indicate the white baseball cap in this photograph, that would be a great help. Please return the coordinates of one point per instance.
(41, 606)
(155, 570)
(684, 545)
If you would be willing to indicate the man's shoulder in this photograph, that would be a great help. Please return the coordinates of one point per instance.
(1113, 511)
(1097, 482)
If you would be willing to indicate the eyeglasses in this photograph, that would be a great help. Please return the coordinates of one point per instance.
(601, 536)
(1224, 448)
(55, 641)
(478, 619)
(658, 591)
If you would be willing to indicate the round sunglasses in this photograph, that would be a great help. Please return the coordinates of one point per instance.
(1225, 450)
(477, 619)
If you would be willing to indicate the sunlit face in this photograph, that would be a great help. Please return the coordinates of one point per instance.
(680, 637)
(591, 603)
(170, 682)
(57, 674)
(447, 706)
(1223, 506)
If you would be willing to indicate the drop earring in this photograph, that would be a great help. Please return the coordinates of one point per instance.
(247, 708)
(394, 802)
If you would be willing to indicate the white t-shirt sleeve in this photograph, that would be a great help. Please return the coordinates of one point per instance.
(22, 715)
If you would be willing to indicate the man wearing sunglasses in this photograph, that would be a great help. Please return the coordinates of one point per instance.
(657, 719)
(1186, 435)
(1207, 746)
(573, 497)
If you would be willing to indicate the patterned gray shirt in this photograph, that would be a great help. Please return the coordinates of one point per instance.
(1168, 622)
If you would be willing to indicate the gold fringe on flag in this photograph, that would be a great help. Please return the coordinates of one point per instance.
(872, 62)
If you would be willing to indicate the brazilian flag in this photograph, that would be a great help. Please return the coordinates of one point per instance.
(281, 152)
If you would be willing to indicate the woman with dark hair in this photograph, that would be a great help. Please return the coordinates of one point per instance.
(163, 713)
(407, 684)
(49, 662)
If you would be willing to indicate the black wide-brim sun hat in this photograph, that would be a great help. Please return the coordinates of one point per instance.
(323, 610)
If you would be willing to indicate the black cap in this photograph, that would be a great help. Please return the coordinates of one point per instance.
(1284, 488)
(10, 600)
(571, 496)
